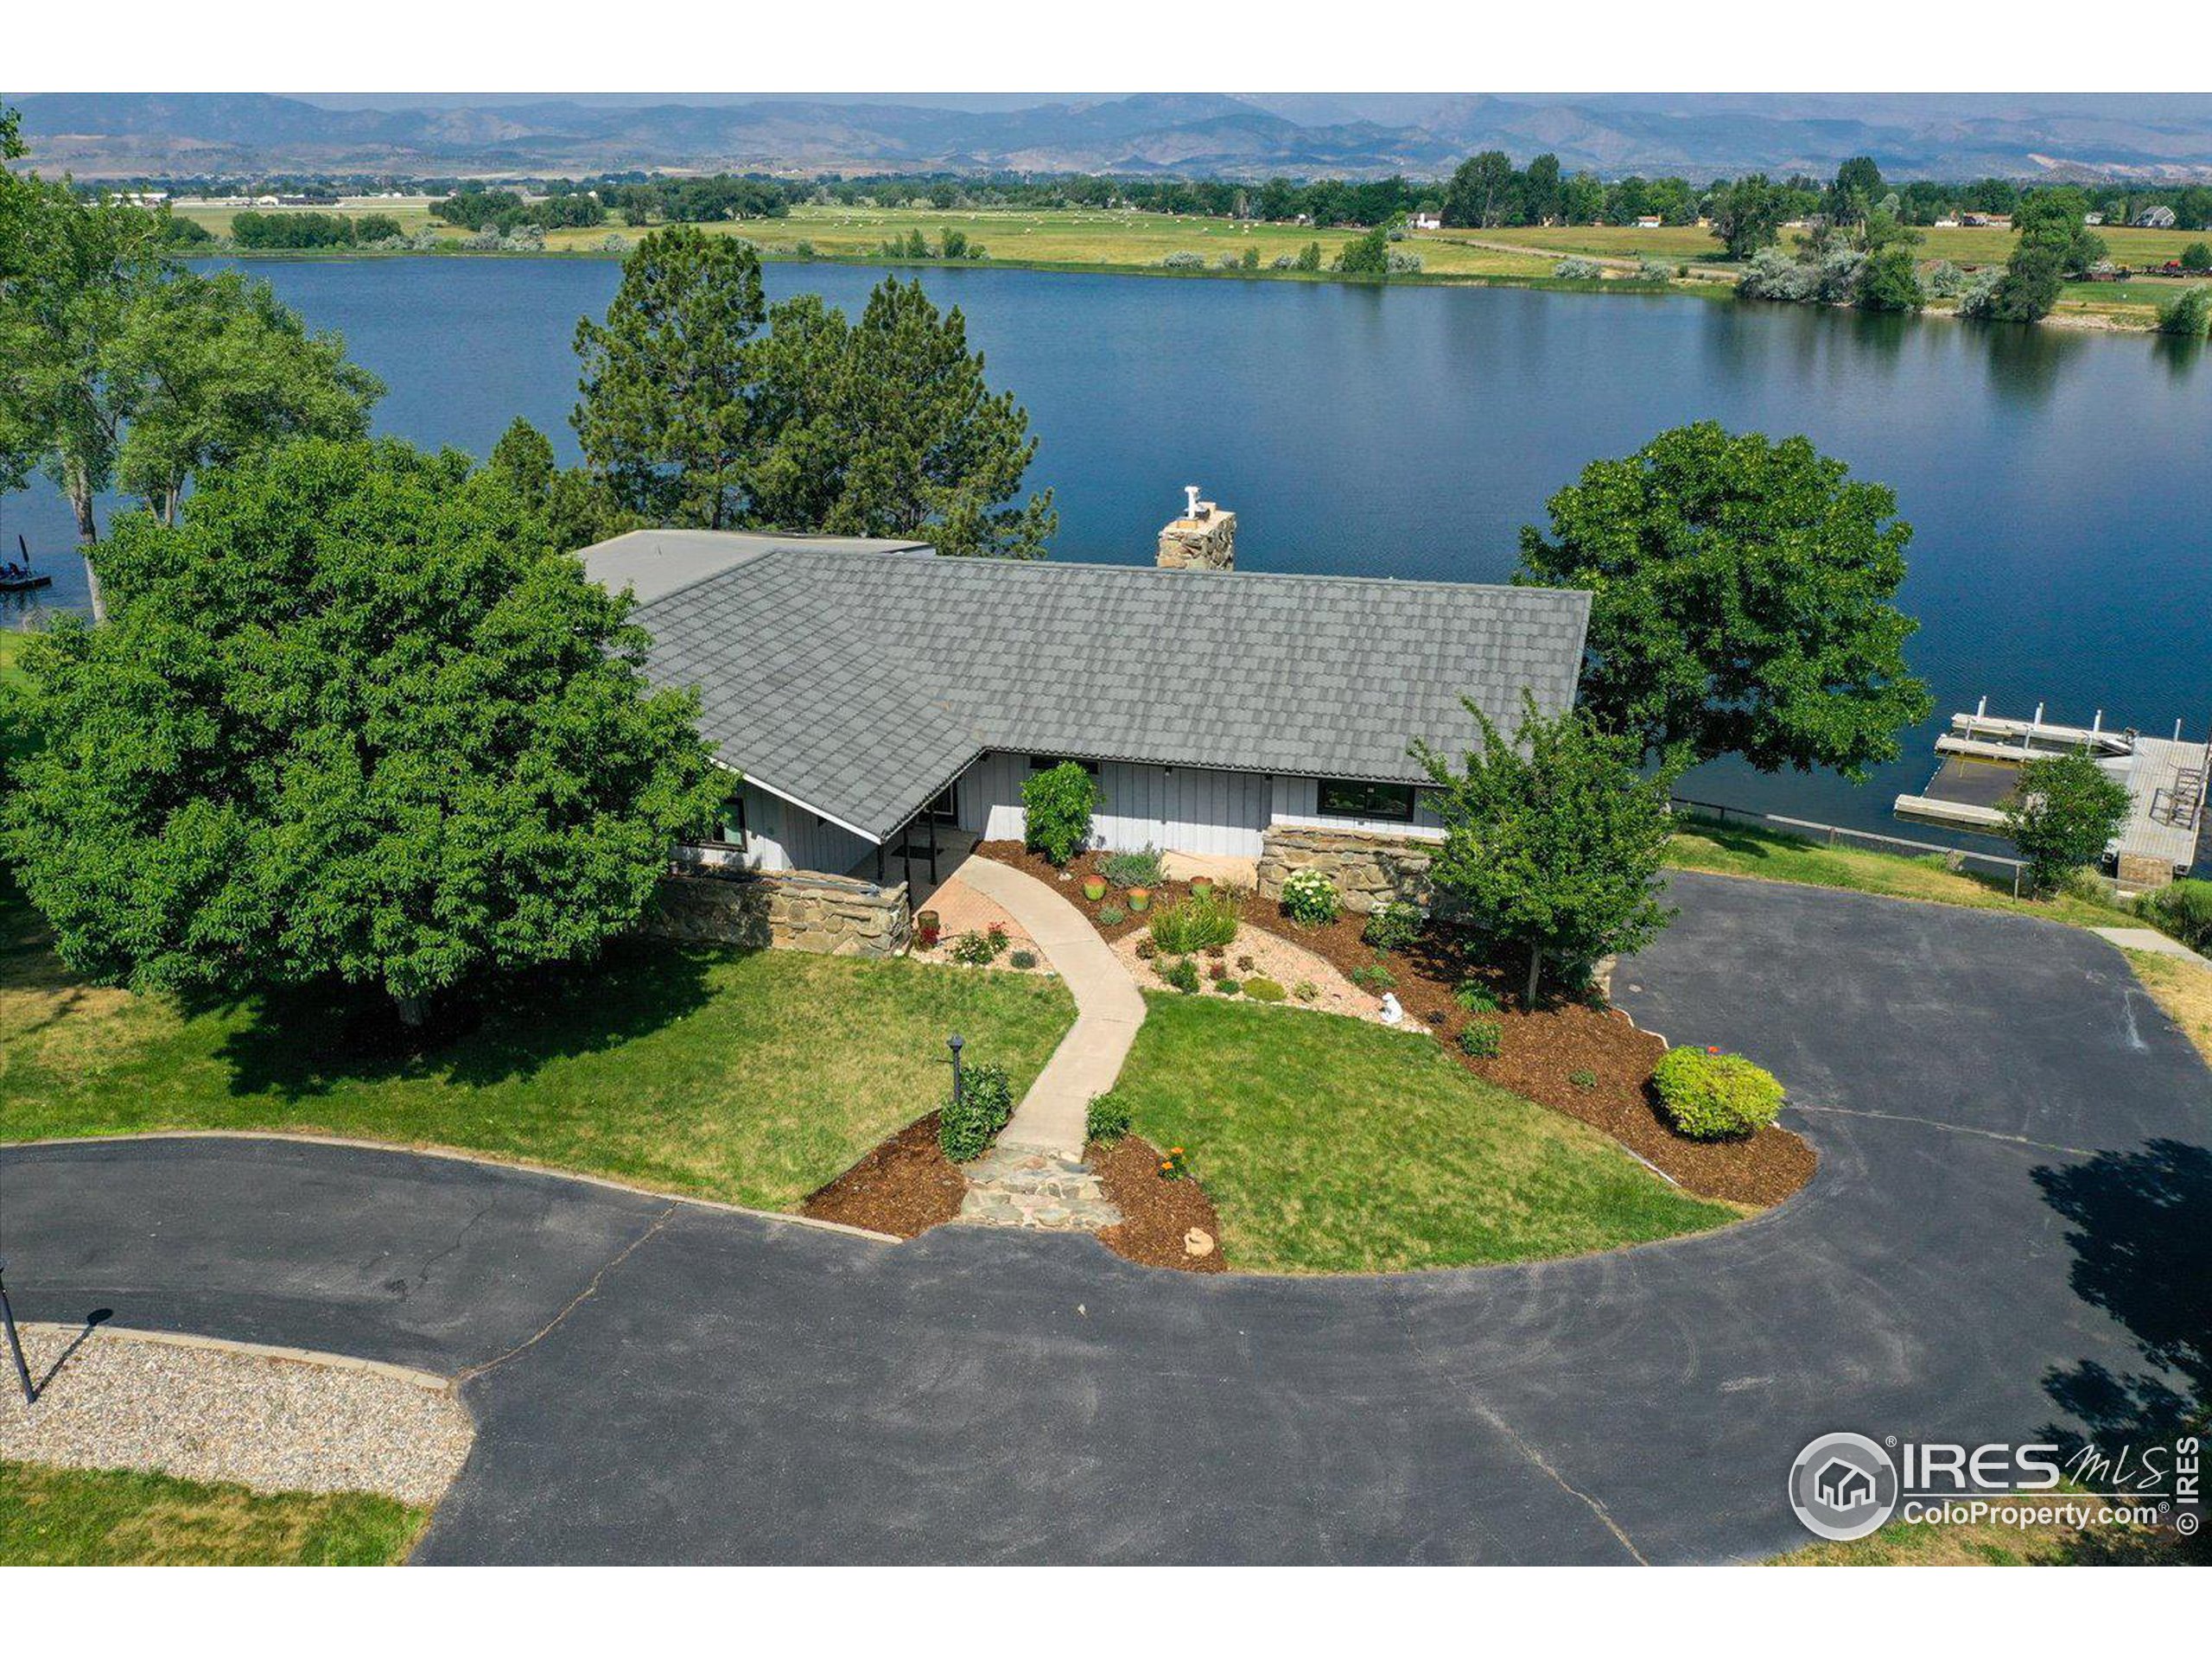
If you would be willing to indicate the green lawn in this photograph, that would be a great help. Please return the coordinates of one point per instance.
(109, 1517)
(752, 1078)
(1331, 1146)
(1738, 849)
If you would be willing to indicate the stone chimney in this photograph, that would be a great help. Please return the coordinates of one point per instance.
(1204, 538)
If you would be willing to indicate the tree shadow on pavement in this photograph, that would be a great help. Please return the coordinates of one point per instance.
(2139, 1223)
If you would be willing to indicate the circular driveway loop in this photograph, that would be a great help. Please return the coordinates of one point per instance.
(2014, 1187)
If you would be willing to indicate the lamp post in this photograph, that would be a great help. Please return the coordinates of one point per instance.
(15, 1342)
(952, 1042)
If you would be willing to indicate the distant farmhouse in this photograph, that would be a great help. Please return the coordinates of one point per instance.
(2160, 218)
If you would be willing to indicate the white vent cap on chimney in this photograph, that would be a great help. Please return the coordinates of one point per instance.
(1191, 497)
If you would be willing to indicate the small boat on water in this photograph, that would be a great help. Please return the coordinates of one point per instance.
(21, 578)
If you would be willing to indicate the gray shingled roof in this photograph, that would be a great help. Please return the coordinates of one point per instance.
(652, 562)
(862, 685)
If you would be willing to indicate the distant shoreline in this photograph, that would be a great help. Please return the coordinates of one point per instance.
(2074, 322)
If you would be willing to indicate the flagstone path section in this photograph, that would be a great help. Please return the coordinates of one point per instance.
(1109, 1009)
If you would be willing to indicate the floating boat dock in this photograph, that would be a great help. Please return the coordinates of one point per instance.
(2165, 780)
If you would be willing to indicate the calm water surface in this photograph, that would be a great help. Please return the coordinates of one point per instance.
(2060, 487)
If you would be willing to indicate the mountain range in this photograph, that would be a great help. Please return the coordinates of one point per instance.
(2152, 138)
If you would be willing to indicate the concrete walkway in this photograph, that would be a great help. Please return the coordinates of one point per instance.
(1109, 1009)
(2144, 938)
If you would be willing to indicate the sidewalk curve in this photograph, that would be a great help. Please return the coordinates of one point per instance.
(1052, 1115)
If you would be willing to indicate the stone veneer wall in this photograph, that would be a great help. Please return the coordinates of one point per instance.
(790, 910)
(1369, 867)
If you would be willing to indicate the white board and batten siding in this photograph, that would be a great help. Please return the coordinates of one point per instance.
(1178, 809)
(781, 836)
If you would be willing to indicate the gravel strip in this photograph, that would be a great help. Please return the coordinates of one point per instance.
(275, 1424)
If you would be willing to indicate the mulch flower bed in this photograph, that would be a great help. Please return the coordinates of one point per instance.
(1540, 1052)
(1158, 1213)
(902, 1187)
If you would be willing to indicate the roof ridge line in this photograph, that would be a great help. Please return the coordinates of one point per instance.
(1399, 583)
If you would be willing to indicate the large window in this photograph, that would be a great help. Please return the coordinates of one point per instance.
(1347, 797)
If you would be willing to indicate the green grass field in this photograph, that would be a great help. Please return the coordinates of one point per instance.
(113, 1517)
(1078, 238)
(1332, 1146)
(1738, 849)
(754, 1078)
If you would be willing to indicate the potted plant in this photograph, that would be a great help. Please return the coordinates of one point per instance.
(1201, 886)
(1139, 899)
(928, 928)
(1094, 887)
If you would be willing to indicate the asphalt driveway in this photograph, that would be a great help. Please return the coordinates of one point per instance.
(2008, 1128)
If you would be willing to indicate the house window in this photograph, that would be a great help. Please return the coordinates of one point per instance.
(1046, 762)
(732, 827)
(1346, 797)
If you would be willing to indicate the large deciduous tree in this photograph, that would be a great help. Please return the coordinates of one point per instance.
(1741, 601)
(1481, 190)
(218, 370)
(352, 720)
(119, 367)
(1553, 840)
(2061, 811)
(1748, 214)
(72, 281)
(666, 414)
(2053, 244)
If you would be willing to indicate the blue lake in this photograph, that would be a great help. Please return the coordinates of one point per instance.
(2060, 485)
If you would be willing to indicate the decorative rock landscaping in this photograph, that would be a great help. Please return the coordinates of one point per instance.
(118, 1400)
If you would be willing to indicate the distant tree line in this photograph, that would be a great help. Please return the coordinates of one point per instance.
(505, 211)
(260, 230)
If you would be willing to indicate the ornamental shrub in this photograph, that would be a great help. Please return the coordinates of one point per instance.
(1264, 990)
(965, 1127)
(2185, 910)
(1227, 987)
(1475, 996)
(1022, 959)
(979, 949)
(1709, 1095)
(1057, 803)
(1373, 977)
(1310, 898)
(1182, 974)
(1202, 922)
(1394, 927)
(1112, 915)
(1137, 869)
(1108, 1119)
(1481, 1040)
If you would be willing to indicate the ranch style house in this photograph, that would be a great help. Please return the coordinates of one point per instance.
(882, 707)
